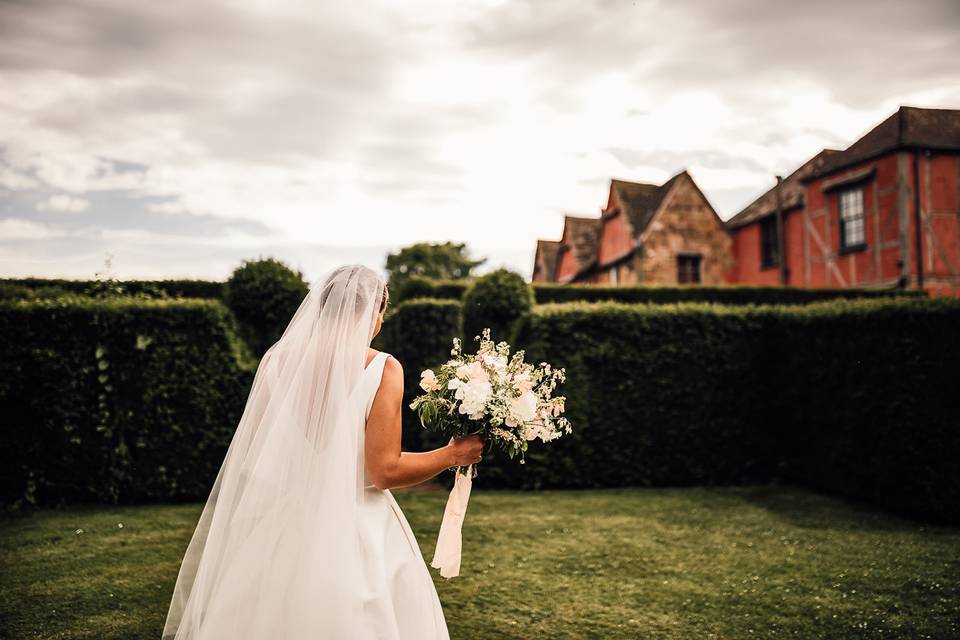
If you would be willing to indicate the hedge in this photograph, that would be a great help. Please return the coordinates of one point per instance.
(851, 397)
(419, 333)
(726, 294)
(871, 410)
(39, 287)
(116, 400)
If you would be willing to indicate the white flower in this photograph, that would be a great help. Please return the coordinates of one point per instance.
(472, 371)
(523, 409)
(428, 381)
(473, 396)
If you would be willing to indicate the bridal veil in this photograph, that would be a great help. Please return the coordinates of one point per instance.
(276, 551)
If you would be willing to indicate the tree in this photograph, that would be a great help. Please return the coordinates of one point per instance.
(445, 261)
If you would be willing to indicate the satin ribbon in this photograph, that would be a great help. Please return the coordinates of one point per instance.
(446, 557)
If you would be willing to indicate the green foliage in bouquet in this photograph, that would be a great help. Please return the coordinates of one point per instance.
(263, 295)
(497, 300)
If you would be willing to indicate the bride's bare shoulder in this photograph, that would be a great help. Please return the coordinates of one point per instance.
(392, 367)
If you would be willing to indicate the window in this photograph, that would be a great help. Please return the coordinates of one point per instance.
(688, 268)
(851, 218)
(769, 247)
(613, 276)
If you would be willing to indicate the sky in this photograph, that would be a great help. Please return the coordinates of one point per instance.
(177, 139)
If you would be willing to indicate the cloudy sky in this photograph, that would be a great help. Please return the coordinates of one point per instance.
(182, 137)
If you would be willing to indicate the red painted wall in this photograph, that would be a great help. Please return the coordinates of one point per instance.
(877, 265)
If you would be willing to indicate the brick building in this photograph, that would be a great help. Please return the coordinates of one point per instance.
(885, 212)
(646, 233)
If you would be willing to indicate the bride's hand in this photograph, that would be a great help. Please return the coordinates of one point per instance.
(465, 450)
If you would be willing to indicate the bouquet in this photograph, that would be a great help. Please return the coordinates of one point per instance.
(494, 394)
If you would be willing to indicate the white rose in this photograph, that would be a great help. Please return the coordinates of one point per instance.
(523, 409)
(473, 397)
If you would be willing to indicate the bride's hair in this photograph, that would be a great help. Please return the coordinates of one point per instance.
(340, 276)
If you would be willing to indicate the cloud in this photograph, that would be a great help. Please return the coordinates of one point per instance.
(19, 229)
(310, 126)
(63, 202)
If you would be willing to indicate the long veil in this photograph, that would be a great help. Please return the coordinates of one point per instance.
(276, 551)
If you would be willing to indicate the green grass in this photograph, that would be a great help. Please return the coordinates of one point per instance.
(733, 563)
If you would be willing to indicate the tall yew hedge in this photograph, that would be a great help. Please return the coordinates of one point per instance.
(857, 398)
(116, 399)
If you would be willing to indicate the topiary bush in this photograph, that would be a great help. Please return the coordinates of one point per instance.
(423, 287)
(498, 300)
(264, 294)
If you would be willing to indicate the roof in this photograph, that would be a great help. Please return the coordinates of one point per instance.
(581, 235)
(791, 193)
(908, 128)
(640, 201)
(546, 258)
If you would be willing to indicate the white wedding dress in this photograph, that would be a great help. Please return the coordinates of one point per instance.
(406, 606)
(294, 542)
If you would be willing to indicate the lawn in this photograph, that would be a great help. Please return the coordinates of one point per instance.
(754, 562)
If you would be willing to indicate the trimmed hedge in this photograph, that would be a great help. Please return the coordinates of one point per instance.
(871, 409)
(728, 294)
(29, 288)
(419, 333)
(852, 397)
(116, 400)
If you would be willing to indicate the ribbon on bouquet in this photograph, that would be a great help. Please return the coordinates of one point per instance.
(450, 541)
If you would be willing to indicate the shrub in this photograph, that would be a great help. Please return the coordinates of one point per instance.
(116, 399)
(499, 300)
(730, 294)
(264, 294)
(419, 333)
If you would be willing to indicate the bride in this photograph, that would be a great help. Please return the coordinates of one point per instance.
(301, 537)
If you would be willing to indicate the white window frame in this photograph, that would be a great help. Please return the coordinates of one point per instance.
(853, 226)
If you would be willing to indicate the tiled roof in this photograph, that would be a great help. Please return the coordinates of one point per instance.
(791, 193)
(640, 200)
(582, 236)
(908, 128)
(546, 258)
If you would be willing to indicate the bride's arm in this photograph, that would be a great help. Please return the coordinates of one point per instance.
(387, 466)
